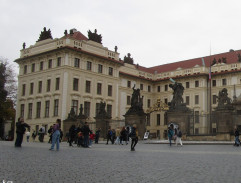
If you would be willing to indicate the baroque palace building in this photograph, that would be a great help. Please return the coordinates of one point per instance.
(56, 75)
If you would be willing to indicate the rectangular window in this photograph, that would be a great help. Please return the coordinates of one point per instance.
(99, 88)
(128, 100)
(57, 83)
(47, 105)
(23, 89)
(187, 85)
(38, 113)
(214, 99)
(31, 88)
(166, 87)
(40, 87)
(48, 85)
(56, 107)
(87, 109)
(100, 68)
(89, 65)
(41, 66)
(158, 88)
(187, 100)
(158, 119)
(128, 84)
(58, 61)
(25, 70)
(75, 106)
(22, 110)
(30, 110)
(148, 103)
(141, 87)
(87, 86)
(196, 131)
(109, 110)
(196, 99)
(50, 64)
(110, 90)
(76, 62)
(149, 88)
(148, 119)
(196, 83)
(110, 71)
(196, 116)
(214, 82)
(33, 68)
(165, 100)
(75, 84)
(224, 81)
(97, 109)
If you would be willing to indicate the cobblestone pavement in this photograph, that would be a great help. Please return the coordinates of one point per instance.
(116, 163)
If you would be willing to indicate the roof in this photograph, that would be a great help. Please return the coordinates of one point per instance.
(231, 57)
(77, 35)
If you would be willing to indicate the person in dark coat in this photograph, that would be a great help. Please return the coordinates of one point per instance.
(20, 130)
(236, 135)
(108, 135)
(72, 135)
(134, 137)
(97, 136)
(86, 131)
(50, 132)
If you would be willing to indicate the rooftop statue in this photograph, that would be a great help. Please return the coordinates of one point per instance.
(128, 59)
(45, 34)
(93, 36)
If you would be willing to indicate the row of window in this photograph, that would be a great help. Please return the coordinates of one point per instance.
(88, 87)
(141, 86)
(38, 109)
(57, 85)
(56, 109)
(40, 86)
(59, 63)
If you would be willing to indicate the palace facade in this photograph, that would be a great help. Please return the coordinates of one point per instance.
(58, 74)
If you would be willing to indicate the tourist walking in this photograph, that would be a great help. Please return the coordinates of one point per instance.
(134, 137)
(236, 135)
(170, 135)
(34, 135)
(72, 135)
(20, 130)
(41, 134)
(97, 136)
(56, 135)
(50, 132)
(179, 137)
(86, 131)
(108, 135)
(117, 141)
(27, 135)
(123, 136)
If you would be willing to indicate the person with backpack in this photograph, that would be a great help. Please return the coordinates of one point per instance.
(134, 137)
(170, 134)
(179, 137)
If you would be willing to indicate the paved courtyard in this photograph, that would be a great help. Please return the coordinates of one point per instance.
(116, 163)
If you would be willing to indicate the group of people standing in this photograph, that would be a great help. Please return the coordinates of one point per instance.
(174, 134)
(119, 136)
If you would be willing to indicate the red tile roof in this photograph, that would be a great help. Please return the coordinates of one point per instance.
(231, 57)
(77, 35)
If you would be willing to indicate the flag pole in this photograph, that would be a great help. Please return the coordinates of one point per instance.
(210, 82)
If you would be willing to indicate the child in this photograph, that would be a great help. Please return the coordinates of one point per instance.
(92, 137)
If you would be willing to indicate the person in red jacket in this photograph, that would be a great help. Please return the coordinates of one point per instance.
(92, 137)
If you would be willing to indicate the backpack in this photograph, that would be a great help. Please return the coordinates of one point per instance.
(179, 134)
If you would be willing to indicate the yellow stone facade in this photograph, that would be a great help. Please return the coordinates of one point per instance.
(57, 74)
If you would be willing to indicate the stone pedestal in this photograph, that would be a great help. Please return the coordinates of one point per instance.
(183, 119)
(224, 121)
(139, 120)
(102, 123)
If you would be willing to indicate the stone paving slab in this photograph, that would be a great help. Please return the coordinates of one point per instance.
(116, 163)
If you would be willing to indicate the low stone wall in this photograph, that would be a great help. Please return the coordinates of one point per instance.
(217, 137)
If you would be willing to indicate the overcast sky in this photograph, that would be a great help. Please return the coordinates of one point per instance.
(155, 32)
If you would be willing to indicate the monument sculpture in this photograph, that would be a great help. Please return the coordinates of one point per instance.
(45, 34)
(128, 59)
(224, 102)
(135, 114)
(93, 36)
